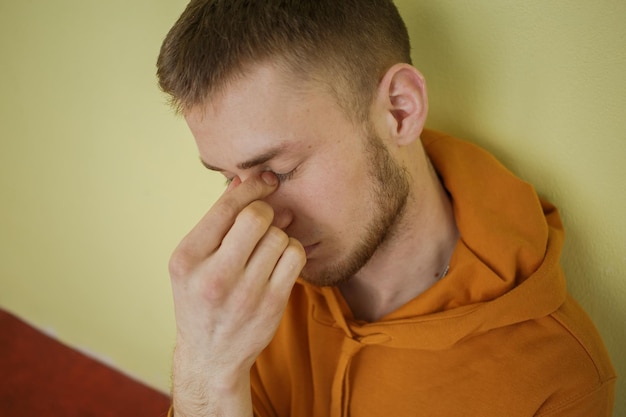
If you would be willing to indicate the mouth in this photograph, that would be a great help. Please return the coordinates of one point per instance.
(310, 249)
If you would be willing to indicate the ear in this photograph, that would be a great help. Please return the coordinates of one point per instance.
(403, 103)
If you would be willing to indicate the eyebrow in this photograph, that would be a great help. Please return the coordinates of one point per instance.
(254, 161)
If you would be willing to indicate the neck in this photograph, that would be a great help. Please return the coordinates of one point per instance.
(413, 260)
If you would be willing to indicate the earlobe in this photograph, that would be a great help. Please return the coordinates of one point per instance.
(404, 90)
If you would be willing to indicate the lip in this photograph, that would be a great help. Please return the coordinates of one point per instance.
(310, 249)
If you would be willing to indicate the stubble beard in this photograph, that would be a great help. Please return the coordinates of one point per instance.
(390, 192)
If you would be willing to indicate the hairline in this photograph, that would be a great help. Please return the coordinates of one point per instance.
(300, 80)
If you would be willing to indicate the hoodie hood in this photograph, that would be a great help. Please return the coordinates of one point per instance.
(504, 270)
(502, 309)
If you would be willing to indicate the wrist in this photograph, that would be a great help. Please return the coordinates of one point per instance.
(215, 373)
(196, 397)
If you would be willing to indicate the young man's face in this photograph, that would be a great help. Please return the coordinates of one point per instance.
(340, 191)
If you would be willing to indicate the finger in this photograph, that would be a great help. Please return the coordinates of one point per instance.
(287, 269)
(233, 183)
(266, 255)
(208, 234)
(248, 231)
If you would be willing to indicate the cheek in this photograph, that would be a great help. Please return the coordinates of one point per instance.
(329, 189)
(334, 197)
(308, 200)
(310, 195)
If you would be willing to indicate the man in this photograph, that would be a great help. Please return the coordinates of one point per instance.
(357, 264)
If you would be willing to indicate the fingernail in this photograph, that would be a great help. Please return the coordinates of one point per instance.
(269, 178)
(234, 183)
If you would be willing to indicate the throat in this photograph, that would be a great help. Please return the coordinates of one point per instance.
(370, 301)
(414, 257)
(399, 273)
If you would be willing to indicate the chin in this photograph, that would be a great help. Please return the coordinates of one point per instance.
(314, 276)
(325, 277)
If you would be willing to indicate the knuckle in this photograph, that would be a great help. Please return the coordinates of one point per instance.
(214, 289)
(294, 256)
(180, 264)
(296, 245)
(257, 215)
(244, 301)
(216, 279)
(226, 208)
(254, 187)
(276, 300)
(296, 250)
(277, 238)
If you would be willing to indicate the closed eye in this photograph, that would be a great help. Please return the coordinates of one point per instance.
(285, 177)
(281, 177)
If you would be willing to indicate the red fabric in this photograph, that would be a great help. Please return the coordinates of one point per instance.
(41, 377)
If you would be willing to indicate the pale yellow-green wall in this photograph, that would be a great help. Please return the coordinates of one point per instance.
(98, 180)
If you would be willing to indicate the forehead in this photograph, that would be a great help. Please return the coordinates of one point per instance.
(262, 85)
(261, 109)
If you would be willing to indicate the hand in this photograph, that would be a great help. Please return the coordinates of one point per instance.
(231, 279)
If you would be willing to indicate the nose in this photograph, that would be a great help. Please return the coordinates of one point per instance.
(283, 214)
(282, 217)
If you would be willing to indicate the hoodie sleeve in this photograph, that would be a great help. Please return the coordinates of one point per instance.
(261, 404)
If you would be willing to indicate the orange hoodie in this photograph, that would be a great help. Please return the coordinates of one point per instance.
(497, 336)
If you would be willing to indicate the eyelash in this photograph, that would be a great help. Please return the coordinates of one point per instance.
(281, 177)
(285, 177)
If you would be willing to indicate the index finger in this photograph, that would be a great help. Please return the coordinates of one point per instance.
(207, 235)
